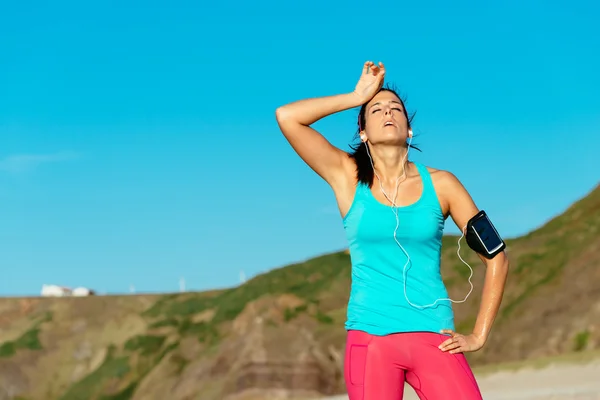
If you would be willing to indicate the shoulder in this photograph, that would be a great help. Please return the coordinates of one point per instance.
(444, 180)
(452, 195)
(448, 187)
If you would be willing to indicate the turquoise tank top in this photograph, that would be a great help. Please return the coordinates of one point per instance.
(377, 304)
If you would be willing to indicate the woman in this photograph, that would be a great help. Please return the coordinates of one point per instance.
(400, 325)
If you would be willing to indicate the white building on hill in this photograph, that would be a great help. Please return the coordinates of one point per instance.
(61, 291)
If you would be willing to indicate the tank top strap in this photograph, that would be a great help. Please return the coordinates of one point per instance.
(429, 194)
(362, 191)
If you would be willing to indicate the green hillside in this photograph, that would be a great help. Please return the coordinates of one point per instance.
(283, 330)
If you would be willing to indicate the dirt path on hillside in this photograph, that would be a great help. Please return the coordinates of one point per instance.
(555, 382)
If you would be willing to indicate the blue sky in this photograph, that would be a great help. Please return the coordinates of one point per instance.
(138, 143)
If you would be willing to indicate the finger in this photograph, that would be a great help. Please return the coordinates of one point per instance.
(460, 349)
(462, 345)
(382, 67)
(452, 346)
(374, 69)
(448, 344)
(366, 67)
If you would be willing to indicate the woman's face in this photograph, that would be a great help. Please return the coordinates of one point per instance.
(386, 120)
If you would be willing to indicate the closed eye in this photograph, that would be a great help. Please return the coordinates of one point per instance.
(374, 111)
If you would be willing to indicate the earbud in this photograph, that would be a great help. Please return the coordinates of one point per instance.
(410, 133)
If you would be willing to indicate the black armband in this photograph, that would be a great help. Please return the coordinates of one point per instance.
(482, 237)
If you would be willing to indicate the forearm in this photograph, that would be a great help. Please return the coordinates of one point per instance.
(493, 290)
(309, 111)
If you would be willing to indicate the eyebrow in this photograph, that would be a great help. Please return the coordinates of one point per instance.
(378, 103)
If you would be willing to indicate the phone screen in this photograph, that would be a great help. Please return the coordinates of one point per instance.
(487, 233)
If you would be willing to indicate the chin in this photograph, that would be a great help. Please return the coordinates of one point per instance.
(392, 139)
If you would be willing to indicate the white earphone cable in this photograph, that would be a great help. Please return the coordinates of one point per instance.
(394, 209)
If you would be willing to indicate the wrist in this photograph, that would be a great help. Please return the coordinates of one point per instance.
(481, 337)
(356, 99)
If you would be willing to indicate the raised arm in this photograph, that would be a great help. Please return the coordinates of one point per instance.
(461, 208)
(294, 120)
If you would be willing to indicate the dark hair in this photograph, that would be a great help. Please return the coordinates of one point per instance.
(364, 170)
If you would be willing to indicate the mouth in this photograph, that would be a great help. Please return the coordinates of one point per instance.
(389, 123)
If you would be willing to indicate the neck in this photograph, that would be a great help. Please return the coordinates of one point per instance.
(391, 162)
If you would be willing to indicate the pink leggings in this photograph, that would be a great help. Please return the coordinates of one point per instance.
(376, 367)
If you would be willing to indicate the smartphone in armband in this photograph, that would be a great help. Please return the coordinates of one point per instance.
(483, 237)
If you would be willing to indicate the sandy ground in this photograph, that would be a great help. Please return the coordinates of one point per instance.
(554, 382)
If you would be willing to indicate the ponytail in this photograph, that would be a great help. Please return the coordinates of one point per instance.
(364, 170)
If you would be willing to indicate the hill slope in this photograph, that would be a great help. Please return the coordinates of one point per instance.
(282, 332)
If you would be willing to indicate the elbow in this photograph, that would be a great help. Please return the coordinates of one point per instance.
(282, 114)
(500, 264)
(504, 262)
(286, 115)
(503, 268)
